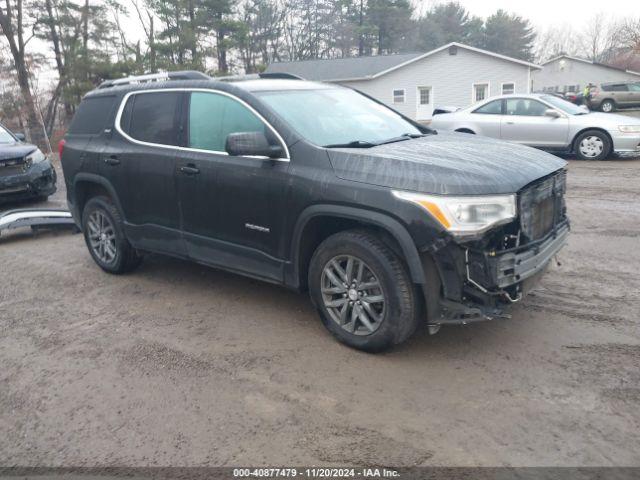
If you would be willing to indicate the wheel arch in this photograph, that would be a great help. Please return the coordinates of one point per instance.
(88, 185)
(607, 99)
(586, 129)
(318, 222)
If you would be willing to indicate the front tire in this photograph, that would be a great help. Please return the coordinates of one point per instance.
(104, 235)
(362, 291)
(608, 106)
(592, 145)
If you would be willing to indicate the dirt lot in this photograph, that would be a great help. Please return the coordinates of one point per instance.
(178, 364)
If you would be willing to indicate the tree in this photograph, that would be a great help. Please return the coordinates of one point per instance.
(259, 32)
(390, 19)
(448, 22)
(509, 35)
(12, 26)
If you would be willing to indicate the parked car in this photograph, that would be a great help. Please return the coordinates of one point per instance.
(25, 172)
(546, 122)
(572, 97)
(315, 187)
(614, 95)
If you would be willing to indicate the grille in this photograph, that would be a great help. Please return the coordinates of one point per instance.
(10, 166)
(542, 206)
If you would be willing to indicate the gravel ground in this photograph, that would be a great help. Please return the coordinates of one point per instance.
(177, 364)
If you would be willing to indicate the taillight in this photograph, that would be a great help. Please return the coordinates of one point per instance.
(61, 147)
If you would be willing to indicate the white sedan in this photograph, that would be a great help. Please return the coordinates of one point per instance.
(546, 122)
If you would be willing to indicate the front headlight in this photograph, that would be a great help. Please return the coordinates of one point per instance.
(465, 215)
(629, 128)
(36, 157)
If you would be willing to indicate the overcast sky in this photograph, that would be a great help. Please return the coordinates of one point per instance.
(546, 13)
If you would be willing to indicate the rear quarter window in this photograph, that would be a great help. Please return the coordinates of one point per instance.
(92, 115)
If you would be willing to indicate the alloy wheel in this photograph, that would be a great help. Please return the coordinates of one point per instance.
(591, 146)
(102, 237)
(607, 107)
(352, 295)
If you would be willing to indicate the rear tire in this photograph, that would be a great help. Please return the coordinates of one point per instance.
(103, 231)
(592, 145)
(379, 307)
(608, 106)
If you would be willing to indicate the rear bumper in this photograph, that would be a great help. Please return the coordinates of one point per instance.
(38, 180)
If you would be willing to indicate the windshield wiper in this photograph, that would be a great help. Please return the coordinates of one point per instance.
(404, 136)
(367, 144)
(352, 144)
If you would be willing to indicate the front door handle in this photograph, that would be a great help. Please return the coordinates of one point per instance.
(190, 169)
(112, 160)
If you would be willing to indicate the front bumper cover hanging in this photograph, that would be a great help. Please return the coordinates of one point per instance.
(35, 218)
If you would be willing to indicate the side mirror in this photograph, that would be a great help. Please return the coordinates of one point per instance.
(584, 108)
(20, 136)
(251, 144)
(550, 112)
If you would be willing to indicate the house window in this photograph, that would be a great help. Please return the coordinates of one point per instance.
(480, 91)
(508, 88)
(398, 96)
(424, 95)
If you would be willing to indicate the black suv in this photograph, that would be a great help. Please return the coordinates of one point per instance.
(316, 187)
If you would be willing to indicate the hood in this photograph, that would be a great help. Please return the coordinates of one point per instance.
(446, 163)
(15, 150)
(606, 120)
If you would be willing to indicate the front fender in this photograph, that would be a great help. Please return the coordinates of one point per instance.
(389, 224)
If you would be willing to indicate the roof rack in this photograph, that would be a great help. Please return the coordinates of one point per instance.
(236, 78)
(289, 76)
(156, 77)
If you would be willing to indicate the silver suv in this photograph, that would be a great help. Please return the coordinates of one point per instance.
(610, 96)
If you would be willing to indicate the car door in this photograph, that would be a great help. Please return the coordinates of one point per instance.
(232, 207)
(524, 121)
(486, 119)
(622, 95)
(139, 162)
(634, 94)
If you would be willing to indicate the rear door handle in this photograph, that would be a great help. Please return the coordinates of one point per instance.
(112, 160)
(510, 123)
(190, 169)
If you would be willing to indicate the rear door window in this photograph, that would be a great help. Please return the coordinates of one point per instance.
(213, 116)
(151, 117)
(620, 88)
(91, 116)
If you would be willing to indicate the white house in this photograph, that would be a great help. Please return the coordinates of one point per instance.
(571, 74)
(416, 83)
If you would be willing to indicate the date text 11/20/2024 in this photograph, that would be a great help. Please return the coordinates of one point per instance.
(315, 473)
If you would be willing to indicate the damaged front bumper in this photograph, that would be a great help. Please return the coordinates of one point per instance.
(478, 285)
(35, 218)
(36, 180)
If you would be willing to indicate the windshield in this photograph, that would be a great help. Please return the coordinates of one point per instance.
(337, 116)
(566, 107)
(5, 136)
